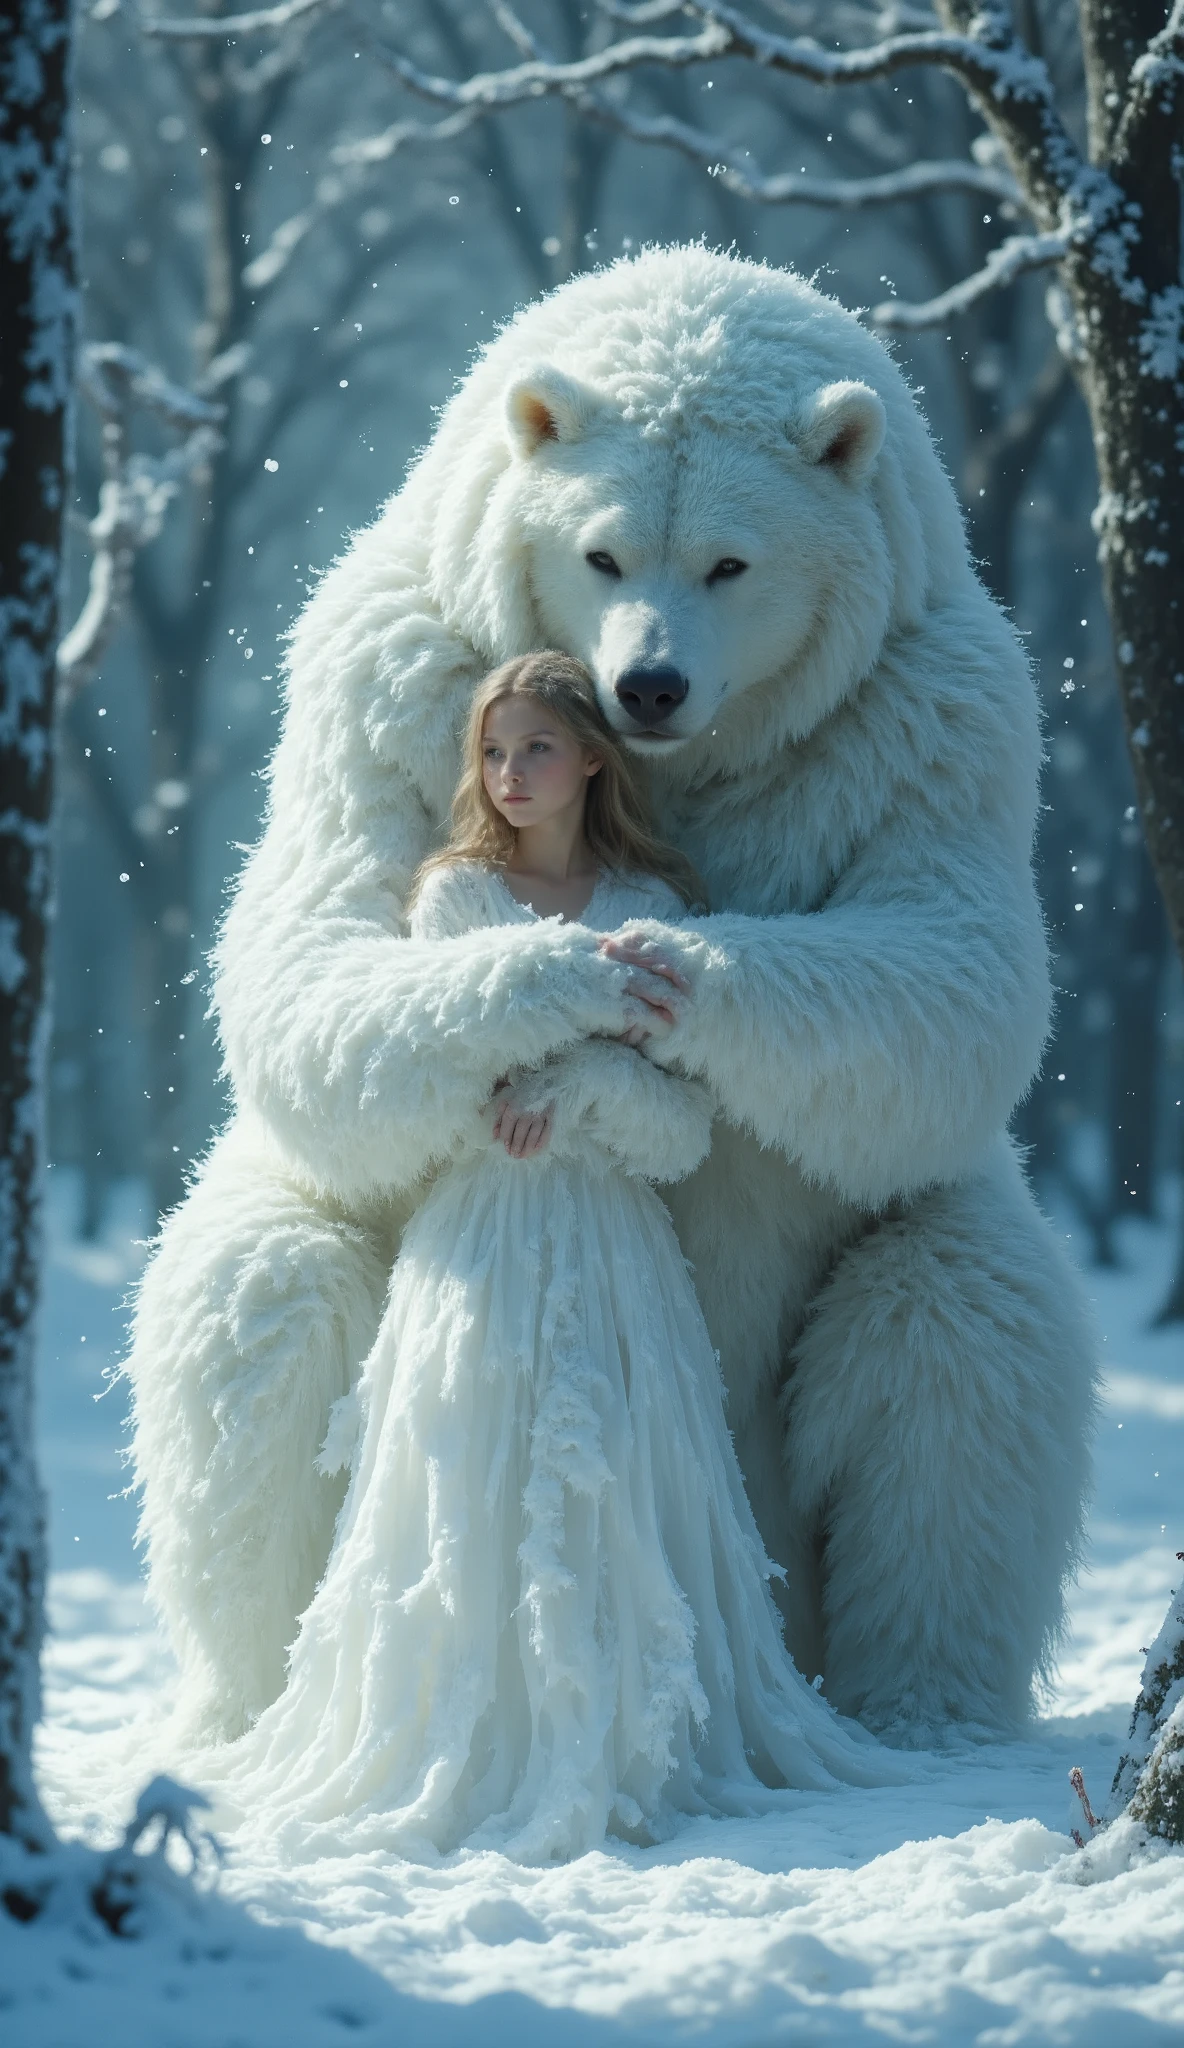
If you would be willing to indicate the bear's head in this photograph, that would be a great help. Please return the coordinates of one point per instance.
(688, 567)
(706, 480)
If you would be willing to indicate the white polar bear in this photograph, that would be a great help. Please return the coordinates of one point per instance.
(709, 482)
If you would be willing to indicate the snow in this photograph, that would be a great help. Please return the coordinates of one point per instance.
(1160, 336)
(954, 1911)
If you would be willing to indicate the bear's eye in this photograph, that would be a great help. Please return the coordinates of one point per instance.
(725, 569)
(604, 563)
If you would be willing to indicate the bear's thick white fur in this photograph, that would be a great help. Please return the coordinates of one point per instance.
(854, 770)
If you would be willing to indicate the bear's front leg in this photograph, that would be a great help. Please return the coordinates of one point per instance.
(938, 1417)
(252, 1318)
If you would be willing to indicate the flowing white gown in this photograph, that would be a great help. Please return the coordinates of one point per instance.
(546, 1616)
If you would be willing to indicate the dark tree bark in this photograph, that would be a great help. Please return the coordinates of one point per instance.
(36, 364)
(1122, 278)
(1135, 1042)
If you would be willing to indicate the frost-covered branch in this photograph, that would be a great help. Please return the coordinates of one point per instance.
(712, 152)
(1010, 84)
(135, 493)
(728, 34)
(1004, 264)
(1005, 70)
(1013, 89)
(795, 188)
(645, 14)
(989, 60)
(354, 161)
(380, 148)
(216, 27)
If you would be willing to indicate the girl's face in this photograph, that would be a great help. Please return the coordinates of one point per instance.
(533, 768)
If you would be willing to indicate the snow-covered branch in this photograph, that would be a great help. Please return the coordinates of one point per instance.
(713, 152)
(354, 160)
(216, 27)
(987, 58)
(726, 34)
(135, 493)
(1012, 87)
(790, 188)
(645, 14)
(1007, 71)
(1004, 264)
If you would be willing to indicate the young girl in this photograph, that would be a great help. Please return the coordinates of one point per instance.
(546, 1616)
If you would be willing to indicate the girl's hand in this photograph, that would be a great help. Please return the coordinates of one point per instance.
(636, 1036)
(635, 949)
(523, 1132)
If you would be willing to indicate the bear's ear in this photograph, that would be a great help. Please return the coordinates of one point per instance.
(842, 428)
(546, 405)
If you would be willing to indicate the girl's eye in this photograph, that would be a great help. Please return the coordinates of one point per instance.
(726, 568)
(538, 746)
(603, 563)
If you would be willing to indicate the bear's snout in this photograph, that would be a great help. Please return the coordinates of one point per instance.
(651, 694)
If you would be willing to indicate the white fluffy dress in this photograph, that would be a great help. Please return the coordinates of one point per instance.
(546, 1616)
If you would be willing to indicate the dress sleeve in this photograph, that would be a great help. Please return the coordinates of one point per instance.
(611, 1103)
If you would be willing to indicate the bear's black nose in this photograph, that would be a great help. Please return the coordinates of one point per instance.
(649, 695)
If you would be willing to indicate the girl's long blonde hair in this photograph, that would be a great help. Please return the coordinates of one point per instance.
(616, 819)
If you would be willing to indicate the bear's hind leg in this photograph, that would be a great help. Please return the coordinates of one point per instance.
(938, 1418)
(253, 1316)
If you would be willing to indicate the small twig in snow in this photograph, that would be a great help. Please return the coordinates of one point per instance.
(1077, 1780)
(174, 1806)
(120, 1886)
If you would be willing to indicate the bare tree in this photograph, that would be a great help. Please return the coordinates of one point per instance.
(36, 347)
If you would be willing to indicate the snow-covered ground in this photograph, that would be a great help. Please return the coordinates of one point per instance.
(956, 1911)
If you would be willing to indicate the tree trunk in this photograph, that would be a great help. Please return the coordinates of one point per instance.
(1122, 277)
(1131, 320)
(36, 367)
(1135, 1043)
(1139, 432)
